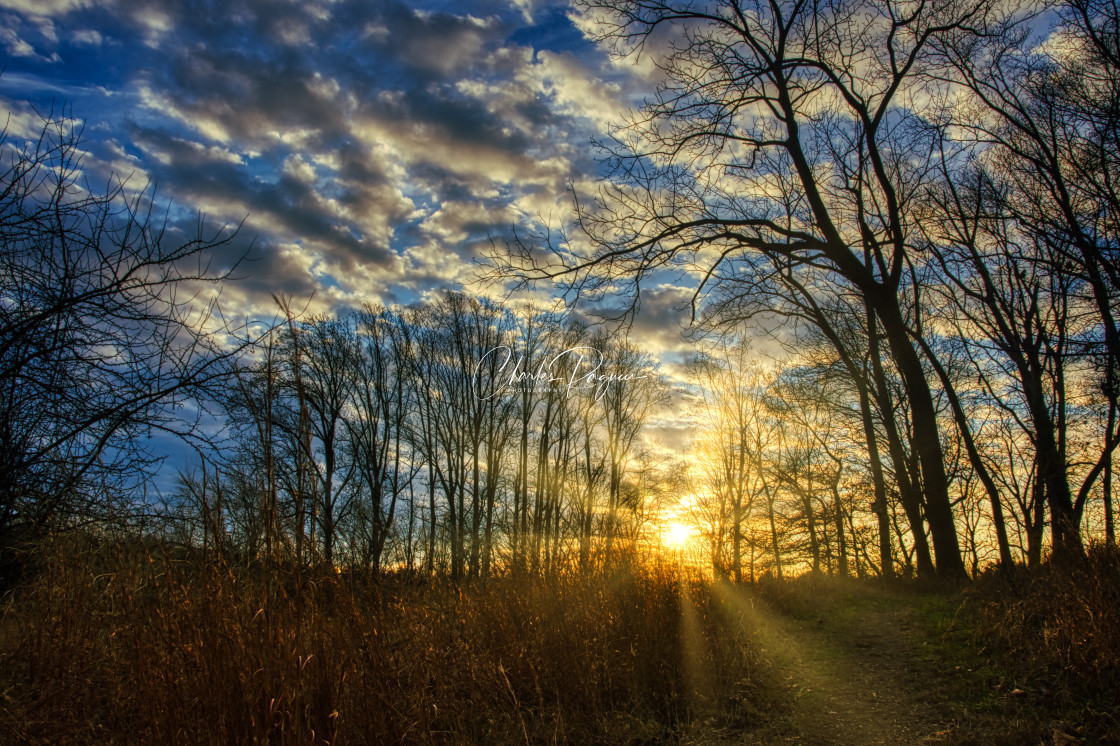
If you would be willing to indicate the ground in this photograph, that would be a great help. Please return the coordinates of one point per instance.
(868, 669)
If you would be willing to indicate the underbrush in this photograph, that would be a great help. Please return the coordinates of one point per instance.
(1056, 629)
(117, 644)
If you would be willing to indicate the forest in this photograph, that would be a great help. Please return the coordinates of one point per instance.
(884, 471)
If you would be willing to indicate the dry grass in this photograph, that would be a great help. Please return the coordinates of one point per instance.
(1058, 628)
(115, 644)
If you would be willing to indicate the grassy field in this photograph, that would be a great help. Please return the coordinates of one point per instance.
(119, 646)
(116, 644)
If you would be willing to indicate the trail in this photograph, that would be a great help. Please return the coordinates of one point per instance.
(852, 675)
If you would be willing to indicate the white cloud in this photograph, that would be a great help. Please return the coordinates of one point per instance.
(14, 45)
(44, 7)
(208, 123)
(526, 7)
(87, 37)
(577, 89)
(296, 167)
(485, 165)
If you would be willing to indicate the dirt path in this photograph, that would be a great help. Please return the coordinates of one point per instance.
(851, 674)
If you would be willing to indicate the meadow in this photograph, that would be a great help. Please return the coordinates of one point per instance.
(115, 643)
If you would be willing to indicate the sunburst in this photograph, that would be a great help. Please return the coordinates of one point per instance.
(677, 534)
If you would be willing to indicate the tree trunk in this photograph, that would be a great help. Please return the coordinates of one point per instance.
(927, 442)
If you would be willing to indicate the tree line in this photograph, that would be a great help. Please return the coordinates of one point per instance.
(918, 200)
(453, 437)
(924, 196)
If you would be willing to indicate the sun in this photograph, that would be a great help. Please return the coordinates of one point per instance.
(678, 534)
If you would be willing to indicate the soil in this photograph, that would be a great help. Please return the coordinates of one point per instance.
(859, 673)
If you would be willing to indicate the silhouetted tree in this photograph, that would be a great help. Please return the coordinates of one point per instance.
(108, 330)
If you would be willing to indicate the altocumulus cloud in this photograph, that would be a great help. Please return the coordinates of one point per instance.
(374, 147)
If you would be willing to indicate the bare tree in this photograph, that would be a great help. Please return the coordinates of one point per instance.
(556, 442)
(732, 388)
(831, 328)
(106, 331)
(592, 468)
(327, 360)
(630, 392)
(528, 353)
(381, 400)
(809, 459)
(252, 410)
(440, 432)
(759, 98)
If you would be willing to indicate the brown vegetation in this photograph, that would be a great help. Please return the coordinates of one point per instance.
(119, 643)
(1057, 631)
(123, 645)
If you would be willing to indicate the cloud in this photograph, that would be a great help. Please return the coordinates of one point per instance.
(33, 85)
(577, 90)
(44, 8)
(31, 38)
(14, 45)
(88, 36)
(21, 124)
(372, 148)
(433, 44)
(662, 319)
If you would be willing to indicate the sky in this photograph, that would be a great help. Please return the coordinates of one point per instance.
(374, 150)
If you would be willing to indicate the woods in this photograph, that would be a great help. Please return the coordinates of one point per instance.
(915, 204)
(507, 509)
(918, 187)
(452, 438)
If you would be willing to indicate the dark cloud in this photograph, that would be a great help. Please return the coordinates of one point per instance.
(249, 100)
(290, 206)
(659, 324)
(433, 45)
(443, 115)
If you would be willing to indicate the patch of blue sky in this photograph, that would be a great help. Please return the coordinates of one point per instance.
(553, 31)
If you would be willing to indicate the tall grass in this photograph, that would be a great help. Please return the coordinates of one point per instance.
(1059, 624)
(115, 644)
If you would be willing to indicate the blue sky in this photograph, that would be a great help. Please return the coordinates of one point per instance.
(373, 148)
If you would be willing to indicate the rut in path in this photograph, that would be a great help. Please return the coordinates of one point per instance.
(854, 679)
